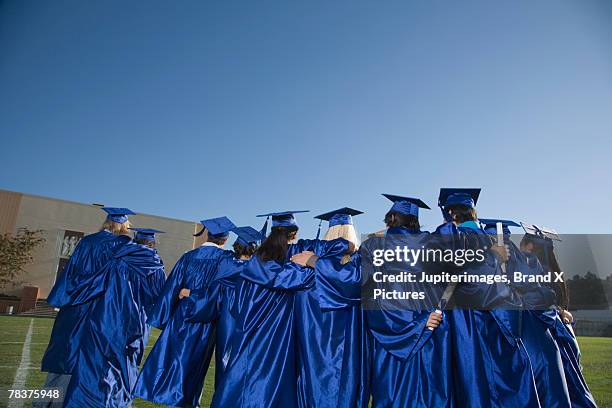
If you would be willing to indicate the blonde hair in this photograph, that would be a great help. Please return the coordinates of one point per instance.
(116, 228)
(346, 231)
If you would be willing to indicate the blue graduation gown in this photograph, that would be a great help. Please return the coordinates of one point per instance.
(580, 394)
(87, 260)
(329, 328)
(411, 364)
(216, 304)
(114, 334)
(176, 367)
(567, 344)
(540, 345)
(262, 367)
(490, 363)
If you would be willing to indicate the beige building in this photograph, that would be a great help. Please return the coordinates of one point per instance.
(64, 223)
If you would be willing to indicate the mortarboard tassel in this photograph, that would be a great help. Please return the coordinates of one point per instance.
(319, 230)
(264, 229)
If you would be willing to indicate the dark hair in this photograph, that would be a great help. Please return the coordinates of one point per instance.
(549, 261)
(396, 219)
(462, 213)
(145, 242)
(276, 244)
(241, 250)
(217, 240)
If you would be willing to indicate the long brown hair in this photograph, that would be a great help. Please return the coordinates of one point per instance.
(275, 246)
(396, 219)
(462, 213)
(546, 255)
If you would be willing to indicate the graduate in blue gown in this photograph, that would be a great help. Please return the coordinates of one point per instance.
(115, 332)
(91, 253)
(216, 303)
(491, 365)
(262, 369)
(537, 299)
(329, 325)
(411, 364)
(174, 371)
(538, 243)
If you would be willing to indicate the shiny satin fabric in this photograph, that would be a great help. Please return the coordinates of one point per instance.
(422, 380)
(564, 337)
(226, 324)
(174, 371)
(534, 296)
(491, 367)
(91, 253)
(215, 304)
(329, 329)
(489, 371)
(546, 361)
(580, 395)
(261, 371)
(563, 334)
(114, 335)
(540, 345)
(411, 364)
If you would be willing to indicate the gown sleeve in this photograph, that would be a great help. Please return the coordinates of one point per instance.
(155, 285)
(276, 275)
(86, 288)
(77, 284)
(401, 332)
(164, 306)
(338, 285)
(203, 305)
(335, 247)
(85, 275)
(58, 297)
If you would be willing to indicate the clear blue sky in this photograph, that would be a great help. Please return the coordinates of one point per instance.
(195, 109)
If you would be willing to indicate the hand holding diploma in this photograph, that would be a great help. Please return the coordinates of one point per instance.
(434, 320)
(501, 250)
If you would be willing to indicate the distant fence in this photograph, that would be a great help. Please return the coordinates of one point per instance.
(14, 304)
(7, 303)
(592, 328)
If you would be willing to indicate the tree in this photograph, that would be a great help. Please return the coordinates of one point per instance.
(16, 252)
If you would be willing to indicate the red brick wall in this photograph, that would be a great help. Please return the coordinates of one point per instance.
(29, 296)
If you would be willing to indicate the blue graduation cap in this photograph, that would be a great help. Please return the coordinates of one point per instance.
(217, 227)
(248, 235)
(490, 225)
(458, 196)
(118, 215)
(540, 232)
(283, 218)
(280, 219)
(341, 216)
(406, 205)
(147, 234)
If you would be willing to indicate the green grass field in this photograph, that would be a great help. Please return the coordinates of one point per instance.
(13, 332)
(596, 359)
